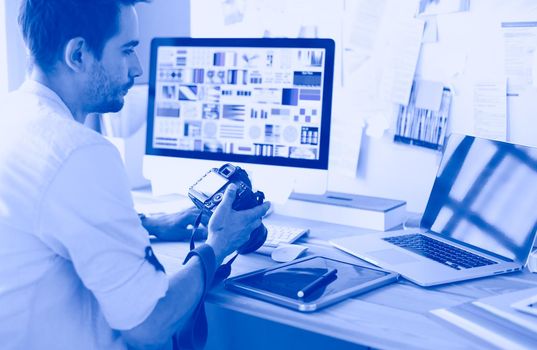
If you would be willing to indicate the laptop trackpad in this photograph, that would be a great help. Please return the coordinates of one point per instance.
(392, 256)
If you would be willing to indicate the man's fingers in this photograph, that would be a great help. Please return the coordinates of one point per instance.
(229, 195)
(255, 224)
(256, 212)
(261, 210)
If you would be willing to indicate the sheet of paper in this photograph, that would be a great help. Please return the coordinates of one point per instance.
(345, 149)
(522, 119)
(361, 24)
(490, 109)
(229, 18)
(430, 33)
(437, 7)
(520, 44)
(378, 124)
(233, 11)
(346, 131)
(429, 94)
(403, 53)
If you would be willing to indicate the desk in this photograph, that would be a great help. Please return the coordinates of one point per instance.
(393, 317)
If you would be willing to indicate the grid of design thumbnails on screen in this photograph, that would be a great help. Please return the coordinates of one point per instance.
(253, 101)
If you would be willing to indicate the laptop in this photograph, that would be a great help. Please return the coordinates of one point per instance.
(480, 219)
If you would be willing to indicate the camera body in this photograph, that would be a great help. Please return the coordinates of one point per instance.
(209, 190)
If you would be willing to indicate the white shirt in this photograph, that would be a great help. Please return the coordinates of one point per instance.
(72, 249)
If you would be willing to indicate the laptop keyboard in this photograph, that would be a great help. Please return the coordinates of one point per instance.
(439, 251)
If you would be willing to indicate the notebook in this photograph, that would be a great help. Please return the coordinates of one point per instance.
(480, 219)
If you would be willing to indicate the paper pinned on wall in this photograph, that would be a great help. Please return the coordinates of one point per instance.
(522, 121)
(361, 23)
(520, 45)
(233, 11)
(381, 53)
(267, 11)
(228, 18)
(429, 94)
(347, 125)
(276, 18)
(534, 69)
(403, 53)
(377, 125)
(345, 149)
(490, 109)
(438, 7)
(430, 33)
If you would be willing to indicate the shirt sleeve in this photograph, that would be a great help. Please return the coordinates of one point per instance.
(87, 217)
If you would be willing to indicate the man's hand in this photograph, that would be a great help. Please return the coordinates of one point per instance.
(229, 229)
(175, 227)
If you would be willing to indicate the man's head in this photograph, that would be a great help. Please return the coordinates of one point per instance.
(89, 43)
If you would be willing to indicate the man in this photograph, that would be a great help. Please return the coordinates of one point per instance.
(77, 270)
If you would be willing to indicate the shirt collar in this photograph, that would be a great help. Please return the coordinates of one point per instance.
(43, 91)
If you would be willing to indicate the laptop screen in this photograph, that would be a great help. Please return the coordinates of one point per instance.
(485, 195)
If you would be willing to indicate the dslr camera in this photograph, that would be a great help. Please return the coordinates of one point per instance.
(209, 190)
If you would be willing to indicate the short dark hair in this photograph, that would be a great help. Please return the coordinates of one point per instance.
(47, 25)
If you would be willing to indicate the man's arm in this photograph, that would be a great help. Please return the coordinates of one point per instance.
(228, 230)
(173, 310)
(86, 216)
(175, 227)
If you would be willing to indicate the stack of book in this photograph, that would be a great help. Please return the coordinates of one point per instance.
(495, 321)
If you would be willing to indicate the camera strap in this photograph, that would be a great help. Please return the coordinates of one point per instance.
(193, 336)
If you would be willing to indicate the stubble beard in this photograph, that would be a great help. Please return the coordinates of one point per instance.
(104, 95)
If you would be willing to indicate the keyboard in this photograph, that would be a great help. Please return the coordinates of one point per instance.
(277, 234)
(441, 252)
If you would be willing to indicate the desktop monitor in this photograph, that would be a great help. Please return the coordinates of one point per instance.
(262, 104)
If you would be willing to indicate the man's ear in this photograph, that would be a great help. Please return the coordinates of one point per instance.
(76, 54)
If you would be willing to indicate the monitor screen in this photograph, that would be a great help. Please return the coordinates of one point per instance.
(262, 101)
(485, 195)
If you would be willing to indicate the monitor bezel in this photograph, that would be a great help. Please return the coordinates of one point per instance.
(324, 143)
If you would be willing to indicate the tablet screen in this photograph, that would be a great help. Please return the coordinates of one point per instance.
(288, 280)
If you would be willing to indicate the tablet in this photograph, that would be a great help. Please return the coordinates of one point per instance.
(528, 305)
(332, 281)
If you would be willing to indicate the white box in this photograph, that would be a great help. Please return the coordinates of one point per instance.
(347, 209)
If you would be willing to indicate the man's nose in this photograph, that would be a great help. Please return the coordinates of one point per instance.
(135, 69)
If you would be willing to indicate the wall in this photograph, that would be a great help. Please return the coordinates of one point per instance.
(469, 49)
(3, 51)
(160, 18)
(16, 54)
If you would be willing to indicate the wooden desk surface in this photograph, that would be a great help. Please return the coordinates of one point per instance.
(395, 316)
